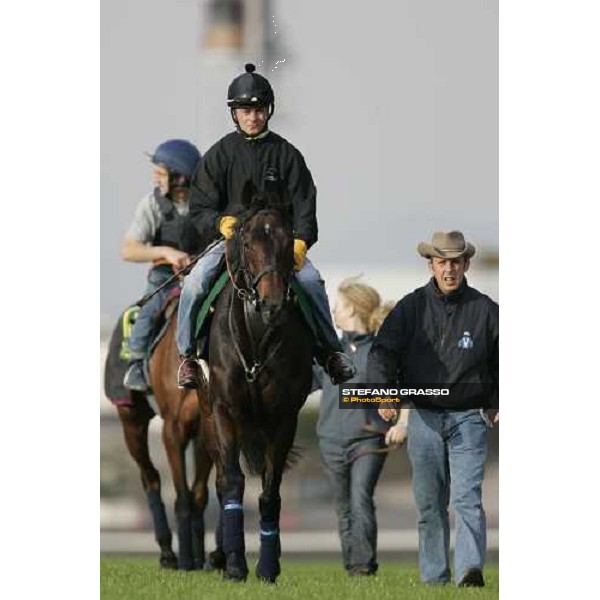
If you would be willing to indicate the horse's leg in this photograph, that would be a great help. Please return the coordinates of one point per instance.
(175, 446)
(232, 498)
(282, 438)
(208, 454)
(203, 464)
(216, 558)
(135, 421)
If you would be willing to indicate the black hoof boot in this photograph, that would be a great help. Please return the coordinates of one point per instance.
(168, 559)
(236, 569)
(216, 560)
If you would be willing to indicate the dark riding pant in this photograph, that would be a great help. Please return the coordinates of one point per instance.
(354, 485)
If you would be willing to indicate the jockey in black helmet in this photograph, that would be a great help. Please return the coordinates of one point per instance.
(160, 233)
(249, 154)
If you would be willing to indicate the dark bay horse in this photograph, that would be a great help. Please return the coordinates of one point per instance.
(179, 410)
(260, 356)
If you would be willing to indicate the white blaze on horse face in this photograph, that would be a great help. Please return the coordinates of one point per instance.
(267, 229)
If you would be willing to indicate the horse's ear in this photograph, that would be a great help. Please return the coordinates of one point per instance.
(248, 193)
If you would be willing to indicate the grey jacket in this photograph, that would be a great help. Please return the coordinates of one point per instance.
(337, 425)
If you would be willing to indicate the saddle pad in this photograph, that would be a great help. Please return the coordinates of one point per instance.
(117, 360)
(216, 289)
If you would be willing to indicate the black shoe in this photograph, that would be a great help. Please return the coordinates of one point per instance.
(360, 571)
(187, 375)
(135, 378)
(339, 367)
(472, 578)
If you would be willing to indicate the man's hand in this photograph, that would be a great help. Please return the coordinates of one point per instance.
(397, 434)
(177, 258)
(226, 226)
(387, 414)
(300, 250)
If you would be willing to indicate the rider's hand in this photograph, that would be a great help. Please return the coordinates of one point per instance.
(396, 435)
(300, 250)
(177, 258)
(226, 226)
(387, 414)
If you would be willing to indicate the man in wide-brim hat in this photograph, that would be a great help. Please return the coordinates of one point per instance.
(444, 334)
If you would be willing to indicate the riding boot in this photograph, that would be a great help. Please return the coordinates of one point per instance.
(135, 378)
(187, 374)
(339, 367)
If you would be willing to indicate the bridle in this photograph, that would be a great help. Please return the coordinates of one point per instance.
(245, 284)
(248, 291)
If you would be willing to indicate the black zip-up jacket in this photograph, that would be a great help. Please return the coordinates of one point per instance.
(435, 339)
(232, 161)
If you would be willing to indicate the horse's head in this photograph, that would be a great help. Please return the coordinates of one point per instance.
(265, 247)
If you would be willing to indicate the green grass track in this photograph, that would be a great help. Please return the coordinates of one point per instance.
(142, 578)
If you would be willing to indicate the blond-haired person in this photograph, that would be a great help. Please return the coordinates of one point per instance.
(358, 312)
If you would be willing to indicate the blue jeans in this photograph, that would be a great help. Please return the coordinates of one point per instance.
(198, 282)
(354, 486)
(447, 450)
(148, 315)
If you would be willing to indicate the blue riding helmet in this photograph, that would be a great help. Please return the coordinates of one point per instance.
(179, 156)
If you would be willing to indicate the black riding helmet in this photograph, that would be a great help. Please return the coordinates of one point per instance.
(251, 89)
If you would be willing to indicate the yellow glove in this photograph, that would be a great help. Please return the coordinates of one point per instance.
(226, 225)
(299, 254)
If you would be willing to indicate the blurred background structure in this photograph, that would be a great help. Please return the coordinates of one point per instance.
(395, 109)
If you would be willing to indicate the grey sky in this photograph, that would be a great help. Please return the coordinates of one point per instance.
(393, 104)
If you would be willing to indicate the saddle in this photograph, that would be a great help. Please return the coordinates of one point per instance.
(117, 360)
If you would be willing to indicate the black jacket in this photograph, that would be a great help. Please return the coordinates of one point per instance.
(232, 161)
(433, 339)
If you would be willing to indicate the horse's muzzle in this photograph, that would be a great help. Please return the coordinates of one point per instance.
(270, 311)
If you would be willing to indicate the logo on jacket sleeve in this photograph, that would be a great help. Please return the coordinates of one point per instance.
(465, 341)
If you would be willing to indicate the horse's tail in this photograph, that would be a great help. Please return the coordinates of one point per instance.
(294, 455)
(253, 450)
(254, 444)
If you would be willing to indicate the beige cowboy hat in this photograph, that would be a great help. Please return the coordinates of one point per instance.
(446, 245)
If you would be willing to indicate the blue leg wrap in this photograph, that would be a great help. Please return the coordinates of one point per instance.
(198, 540)
(184, 535)
(162, 533)
(233, 527)
(270, 550)
(219, 531)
